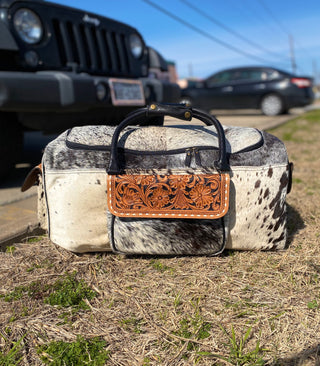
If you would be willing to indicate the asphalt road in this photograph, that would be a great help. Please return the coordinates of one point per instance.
(34, 143)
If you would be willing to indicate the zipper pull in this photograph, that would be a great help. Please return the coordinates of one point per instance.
(197, 156)
(188, 158)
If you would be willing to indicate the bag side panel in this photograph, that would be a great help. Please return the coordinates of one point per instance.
(77, 206)
(42, 206)
(272, 152)
(258, 208)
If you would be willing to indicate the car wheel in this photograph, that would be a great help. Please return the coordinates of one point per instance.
(272, 105)
(11, 142)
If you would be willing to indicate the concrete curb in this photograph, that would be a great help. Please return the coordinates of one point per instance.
(20, 235)
(18, 220)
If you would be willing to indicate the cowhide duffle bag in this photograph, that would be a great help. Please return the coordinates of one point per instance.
(185, 189)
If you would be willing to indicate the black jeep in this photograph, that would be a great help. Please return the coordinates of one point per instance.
(61, 67)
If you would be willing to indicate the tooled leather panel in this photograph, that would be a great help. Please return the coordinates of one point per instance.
(169, 196)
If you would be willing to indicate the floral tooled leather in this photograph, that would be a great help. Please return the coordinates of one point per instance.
(175, 196)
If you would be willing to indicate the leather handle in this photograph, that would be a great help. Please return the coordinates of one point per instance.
(174, 110)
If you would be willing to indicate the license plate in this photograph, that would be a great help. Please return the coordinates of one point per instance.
(126, 92)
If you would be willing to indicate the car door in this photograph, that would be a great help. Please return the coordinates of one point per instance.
(249, 87)
(219, 90)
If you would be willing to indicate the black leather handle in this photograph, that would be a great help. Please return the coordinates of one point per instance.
(174, 110)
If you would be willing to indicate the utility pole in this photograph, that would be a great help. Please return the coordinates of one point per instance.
(293, 61)
(190, 68)
(315, 72)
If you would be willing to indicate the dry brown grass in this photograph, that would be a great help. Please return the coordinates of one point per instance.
(172, 311)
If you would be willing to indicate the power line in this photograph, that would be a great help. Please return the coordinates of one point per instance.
(203, 33)
(256, 17)
(228, 29)
(285, 30)
(280, 25)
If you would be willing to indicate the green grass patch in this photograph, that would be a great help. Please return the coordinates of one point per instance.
(10, 249)
(43, 264)
(35, 290)
(159, 266)
(296, 180)
(10, 353)
(293, 129)
(34, 239)
(81, 352)
(314, 304)
(313, 116)
(239, 354)
(193, 327)
(68, 291)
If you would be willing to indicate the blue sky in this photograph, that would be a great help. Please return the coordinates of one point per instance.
(266, 24)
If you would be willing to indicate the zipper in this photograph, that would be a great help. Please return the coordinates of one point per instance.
(79, 146)
(193, 151)
(255, 146)
(190, 151)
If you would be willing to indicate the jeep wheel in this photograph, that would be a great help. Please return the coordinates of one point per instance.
(11, 142)
(272, 105)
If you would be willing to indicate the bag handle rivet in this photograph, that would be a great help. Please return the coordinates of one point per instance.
(153, 106)
(187, 115)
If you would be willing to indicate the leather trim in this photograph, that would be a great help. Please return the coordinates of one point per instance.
(203, 196)
(32, 178)
(290, 167)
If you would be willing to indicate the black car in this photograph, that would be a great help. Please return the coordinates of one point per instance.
(61, 67)
(269, 89)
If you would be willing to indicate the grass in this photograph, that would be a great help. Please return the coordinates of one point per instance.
(11, 352)
(81, 352)
(240, 308)
(68, 291)
(65, 292)
(238, 356)
(10, 249)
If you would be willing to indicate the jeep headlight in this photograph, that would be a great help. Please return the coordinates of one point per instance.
(28, 26)
(136, 45)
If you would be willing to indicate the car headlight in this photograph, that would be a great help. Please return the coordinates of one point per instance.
(28, 25)
(136, 45)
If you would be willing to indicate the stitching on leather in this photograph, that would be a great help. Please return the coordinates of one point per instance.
(204, 196)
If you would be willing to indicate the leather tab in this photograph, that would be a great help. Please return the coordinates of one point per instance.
(32, 178)
(174, 110)
(203, 196)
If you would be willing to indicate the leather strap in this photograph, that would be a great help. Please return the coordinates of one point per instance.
(32, 178)
(178, 111)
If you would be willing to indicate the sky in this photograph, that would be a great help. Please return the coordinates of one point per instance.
(206, 36)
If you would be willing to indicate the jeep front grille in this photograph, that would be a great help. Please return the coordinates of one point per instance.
(86, 48)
